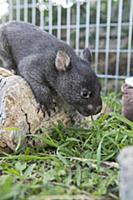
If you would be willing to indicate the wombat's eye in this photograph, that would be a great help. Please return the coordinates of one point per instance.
(85, 93)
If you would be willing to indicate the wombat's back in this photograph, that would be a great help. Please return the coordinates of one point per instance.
(26, 39)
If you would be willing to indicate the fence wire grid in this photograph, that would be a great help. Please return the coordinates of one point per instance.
(105, 26)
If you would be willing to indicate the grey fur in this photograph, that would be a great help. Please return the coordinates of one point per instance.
(34, 55)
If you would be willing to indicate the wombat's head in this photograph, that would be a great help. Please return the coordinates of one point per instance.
(77, 84)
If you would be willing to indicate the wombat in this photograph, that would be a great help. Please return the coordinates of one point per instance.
(51, 67)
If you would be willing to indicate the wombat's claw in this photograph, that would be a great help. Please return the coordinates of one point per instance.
(38, 108)
(42, 108)
(53, 106)
(50, 111)
(54, 109)
(47, 110)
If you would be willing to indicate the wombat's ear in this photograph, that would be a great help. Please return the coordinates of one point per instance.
(62, 61)
(87, 54)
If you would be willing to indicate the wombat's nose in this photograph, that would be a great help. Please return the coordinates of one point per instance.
(94, 110)
(90, 107)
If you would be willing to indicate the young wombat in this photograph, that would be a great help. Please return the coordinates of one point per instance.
(51, 67)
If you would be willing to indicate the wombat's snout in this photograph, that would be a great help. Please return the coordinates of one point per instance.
(90, 109)
(94, 110)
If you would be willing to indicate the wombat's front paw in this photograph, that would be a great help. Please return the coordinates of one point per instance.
(44, 99)
(47, 108)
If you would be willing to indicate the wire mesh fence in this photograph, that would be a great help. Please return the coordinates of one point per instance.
(105, 26)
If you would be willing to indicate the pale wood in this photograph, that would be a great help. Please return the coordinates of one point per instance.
(19, 111)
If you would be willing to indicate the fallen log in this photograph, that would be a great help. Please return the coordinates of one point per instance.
(19, 111)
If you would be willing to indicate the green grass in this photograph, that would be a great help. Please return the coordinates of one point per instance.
(70, 161)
